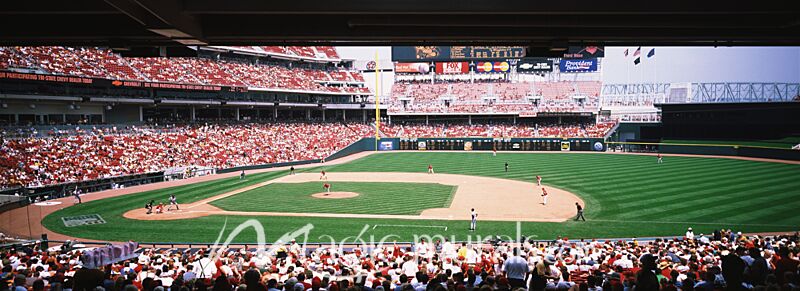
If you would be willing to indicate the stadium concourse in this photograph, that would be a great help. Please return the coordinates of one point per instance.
(31, 158)
(724, 260)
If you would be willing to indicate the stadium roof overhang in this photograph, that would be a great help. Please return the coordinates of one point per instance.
(127, 24)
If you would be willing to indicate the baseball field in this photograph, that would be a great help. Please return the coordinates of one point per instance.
(624, 195)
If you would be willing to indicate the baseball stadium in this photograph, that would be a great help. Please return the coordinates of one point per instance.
(194, 151)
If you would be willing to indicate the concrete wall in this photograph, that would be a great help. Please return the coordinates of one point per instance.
(20, 111)
(44, 108)
(123, 114)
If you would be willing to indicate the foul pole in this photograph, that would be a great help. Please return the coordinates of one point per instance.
(377, 102)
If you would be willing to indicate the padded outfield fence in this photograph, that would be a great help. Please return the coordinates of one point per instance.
(707, 149)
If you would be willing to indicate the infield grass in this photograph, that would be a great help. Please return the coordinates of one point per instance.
(626, 196)
(373, 198)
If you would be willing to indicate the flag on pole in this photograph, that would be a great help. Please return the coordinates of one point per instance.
(637, 52)
(637, 61)
(625, 52)
(651, 53)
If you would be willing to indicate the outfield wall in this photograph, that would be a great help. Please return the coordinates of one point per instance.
(362, 145)
(266, 166)
(500, 144)
(709, 149)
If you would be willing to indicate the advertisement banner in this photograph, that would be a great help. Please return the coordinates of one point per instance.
(486, 67)
(445, 53)
(579, 65)
(452, 68)
(502, 144)
(422, 68)
(115, 83)
(584, 52)
(534, 65)
(48, 78)
(386, 146)
(118, 83)
(598, 146)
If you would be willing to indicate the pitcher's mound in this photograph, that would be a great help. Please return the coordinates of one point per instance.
(335, 195)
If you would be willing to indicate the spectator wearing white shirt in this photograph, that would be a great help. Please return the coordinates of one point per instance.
(409, 267)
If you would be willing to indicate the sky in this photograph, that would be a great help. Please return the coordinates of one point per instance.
(669, 65)
(703, 64)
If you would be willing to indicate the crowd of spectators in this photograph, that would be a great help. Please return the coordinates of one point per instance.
(722, 260)
(103, 63)
(31, 158)
(597, 130)
(311, 52)
(495, 97)
(109, 152)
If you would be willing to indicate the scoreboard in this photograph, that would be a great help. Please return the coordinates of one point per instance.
(444, 53)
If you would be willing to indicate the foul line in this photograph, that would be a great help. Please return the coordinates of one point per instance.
(689, 222)
(410, 225)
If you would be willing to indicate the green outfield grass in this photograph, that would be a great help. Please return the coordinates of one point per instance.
(784, 143)
(626, 196)
(388, 198)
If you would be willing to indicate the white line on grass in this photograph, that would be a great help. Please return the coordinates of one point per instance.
(410, 225)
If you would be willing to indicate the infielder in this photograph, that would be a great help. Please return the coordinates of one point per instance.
(544, 196)
(430, 169)
(474, 221)
(538, 180)
(323, 176)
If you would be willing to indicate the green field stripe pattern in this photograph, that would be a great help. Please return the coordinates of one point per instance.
(785, 143)
(373, 198)
(111, 209)
(625, 195)
(626, 187)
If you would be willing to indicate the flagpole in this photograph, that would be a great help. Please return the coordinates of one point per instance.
(628, 72)
(377, 102)
(655, 63)
(641, 72)
(655, 68)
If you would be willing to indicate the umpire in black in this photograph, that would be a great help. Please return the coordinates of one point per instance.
(580, 212)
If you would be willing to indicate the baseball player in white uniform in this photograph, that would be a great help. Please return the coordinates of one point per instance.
(474, 219)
